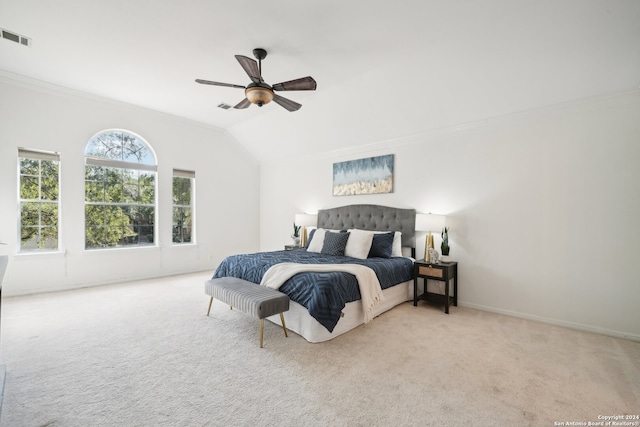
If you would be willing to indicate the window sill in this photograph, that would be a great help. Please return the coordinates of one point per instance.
(102, 251)
(43, 254)
(184, 245)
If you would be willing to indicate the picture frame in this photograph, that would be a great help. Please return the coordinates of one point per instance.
(371, 175)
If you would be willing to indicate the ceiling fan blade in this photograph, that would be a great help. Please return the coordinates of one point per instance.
(304, 83)
(250, 66)
(242, 104)
(209, 82)
(286, 103)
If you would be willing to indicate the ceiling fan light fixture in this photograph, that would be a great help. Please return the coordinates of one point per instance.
(258, 92)
(259, 95)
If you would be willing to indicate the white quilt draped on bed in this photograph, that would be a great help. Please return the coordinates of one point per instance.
(368, 282)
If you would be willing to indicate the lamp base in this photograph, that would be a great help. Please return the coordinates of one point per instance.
(428, 244)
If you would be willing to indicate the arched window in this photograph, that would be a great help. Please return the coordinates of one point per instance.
(120, 189)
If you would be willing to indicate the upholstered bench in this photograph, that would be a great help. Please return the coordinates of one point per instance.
(255, 300)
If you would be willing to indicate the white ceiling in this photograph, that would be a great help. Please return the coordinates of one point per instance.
(385, 69)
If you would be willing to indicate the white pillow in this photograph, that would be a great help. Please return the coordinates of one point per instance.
(359, 243)
(396, 250)
(397, 244)
(315, 245)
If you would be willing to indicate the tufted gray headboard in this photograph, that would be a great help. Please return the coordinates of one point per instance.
(371, 217)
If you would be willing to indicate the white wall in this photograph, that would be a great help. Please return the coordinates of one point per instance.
(40, 116)
(544, 208)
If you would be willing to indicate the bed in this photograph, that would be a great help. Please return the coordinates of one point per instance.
(327, 303)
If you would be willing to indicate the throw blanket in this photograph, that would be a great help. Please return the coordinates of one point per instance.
(370, 289)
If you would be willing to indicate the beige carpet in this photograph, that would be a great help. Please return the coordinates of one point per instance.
(145, 354)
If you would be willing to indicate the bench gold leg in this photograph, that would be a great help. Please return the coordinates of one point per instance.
(283, 326)
(261, 331)
(209, 309)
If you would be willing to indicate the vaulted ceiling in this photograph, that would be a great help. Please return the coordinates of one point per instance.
(384, 69)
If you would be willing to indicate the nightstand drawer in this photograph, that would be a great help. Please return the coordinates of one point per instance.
(430, 271)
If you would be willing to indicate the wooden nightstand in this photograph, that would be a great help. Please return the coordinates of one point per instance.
(444, 272)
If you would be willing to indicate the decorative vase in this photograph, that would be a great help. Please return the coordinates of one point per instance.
(296, 240)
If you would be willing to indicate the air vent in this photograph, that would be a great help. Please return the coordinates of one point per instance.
(10, 35)
(224, 106)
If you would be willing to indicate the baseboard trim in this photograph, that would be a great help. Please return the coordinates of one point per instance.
(117, 280)
(555, 322)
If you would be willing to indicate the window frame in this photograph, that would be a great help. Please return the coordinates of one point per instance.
(40, 156)
(191, 175)
(121, 168)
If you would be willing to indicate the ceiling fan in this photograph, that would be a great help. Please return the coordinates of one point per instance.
(260, 93)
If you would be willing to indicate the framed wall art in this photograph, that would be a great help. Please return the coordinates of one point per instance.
(372, 175)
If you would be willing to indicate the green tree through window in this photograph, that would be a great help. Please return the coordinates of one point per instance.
(120, 184)
(39, 200)
(183, 206)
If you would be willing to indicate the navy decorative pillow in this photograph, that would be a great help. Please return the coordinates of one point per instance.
(311, 233)
(382, 245)
(334, 243)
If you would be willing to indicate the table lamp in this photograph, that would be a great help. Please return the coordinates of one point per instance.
(305, 220)
(429, 223)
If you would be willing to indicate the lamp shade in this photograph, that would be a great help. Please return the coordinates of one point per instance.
(430, 222)
(306, 220)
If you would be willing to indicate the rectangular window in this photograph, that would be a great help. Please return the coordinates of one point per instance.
(39, 196)
(119, 207)
(183, 195)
